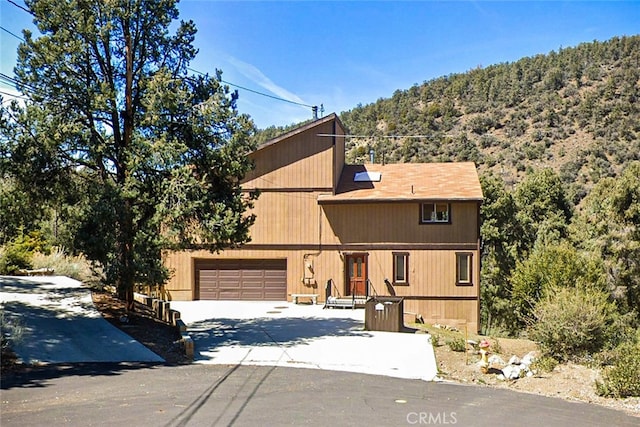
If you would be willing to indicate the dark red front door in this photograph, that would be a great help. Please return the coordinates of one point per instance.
(356, 281)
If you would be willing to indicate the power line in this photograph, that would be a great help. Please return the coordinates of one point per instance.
(255, 91)
(13, 34)
(15, 95)
(314, 108)
(17, 83)
(21, 7)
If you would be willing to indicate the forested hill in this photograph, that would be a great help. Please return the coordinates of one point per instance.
(575, 110)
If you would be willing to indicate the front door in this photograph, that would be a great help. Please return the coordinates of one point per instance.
(356, 269)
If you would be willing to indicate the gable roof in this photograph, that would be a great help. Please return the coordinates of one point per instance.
(407, 182)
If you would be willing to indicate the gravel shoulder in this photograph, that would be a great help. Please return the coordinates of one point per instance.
(568, 381)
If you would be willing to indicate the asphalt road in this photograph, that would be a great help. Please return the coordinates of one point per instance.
(235, 395)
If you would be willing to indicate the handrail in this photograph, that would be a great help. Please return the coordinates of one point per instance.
(353, 295)
(329, 287)
(370, 284)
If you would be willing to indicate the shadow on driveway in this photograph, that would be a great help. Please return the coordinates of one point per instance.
(284, 332)
(61, 325)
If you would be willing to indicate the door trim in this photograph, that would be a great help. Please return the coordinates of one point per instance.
(347, 278)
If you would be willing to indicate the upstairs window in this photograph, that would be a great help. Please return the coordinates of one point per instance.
(434, 213)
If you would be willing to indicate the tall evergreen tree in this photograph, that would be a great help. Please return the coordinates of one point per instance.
(160, 152)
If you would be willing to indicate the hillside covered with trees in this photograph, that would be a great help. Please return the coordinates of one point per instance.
(575, 110)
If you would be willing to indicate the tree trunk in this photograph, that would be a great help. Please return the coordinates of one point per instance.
(126, 280)
(126, 232)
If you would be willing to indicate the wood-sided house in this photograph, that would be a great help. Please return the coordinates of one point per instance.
(319, 221)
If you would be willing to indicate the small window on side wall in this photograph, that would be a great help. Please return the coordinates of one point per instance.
(434, 213)
(463, 268)
(400, 268)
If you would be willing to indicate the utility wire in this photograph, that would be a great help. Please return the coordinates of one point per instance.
(13, 95)
(255, 91)
(189, 68)
(21, 7)
(8, 79)
(13, 34)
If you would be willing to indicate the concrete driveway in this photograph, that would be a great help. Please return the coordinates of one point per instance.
(61, 324)
(304, 336)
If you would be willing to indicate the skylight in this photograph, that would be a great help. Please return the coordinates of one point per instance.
(367, 177)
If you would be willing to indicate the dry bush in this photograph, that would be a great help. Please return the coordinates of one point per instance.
(77, 267)
(570, 323)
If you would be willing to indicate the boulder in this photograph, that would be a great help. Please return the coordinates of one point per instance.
(494, 359)
(529, 358)
(512, 372)
(515, 360)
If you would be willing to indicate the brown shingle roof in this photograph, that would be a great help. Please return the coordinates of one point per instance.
(407, 182)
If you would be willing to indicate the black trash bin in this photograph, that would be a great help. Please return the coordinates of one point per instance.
(384, 313)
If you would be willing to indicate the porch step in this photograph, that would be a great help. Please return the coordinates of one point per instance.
(345, 302)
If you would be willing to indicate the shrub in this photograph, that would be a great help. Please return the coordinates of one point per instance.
(76, 267)
(18, 254)
(457, 344)
(572, 322)
(11, 331)
(436, 340)
(15, 257)
(496, 347)
(544, 363)
(623, 378)
(547, 267)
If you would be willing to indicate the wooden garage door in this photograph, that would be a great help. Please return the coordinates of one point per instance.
(242, 279)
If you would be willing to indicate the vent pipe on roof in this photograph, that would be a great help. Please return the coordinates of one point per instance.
(314, 110)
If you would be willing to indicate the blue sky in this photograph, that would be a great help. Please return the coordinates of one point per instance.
(344, 53)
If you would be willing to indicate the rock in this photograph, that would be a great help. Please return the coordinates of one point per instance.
(512, 372)
(496, 360)
(515, 360)
(445, 327)
(529, 358)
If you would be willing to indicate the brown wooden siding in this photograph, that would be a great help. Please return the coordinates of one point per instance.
(303, 161)
(431, 273)
(286, 218)
(398, 222)
(339, 156)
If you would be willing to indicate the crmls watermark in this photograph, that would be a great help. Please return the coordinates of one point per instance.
(431, 418)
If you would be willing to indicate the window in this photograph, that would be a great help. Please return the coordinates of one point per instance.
(463, 268)
(367, 177)
(400, 268)
(431, 213)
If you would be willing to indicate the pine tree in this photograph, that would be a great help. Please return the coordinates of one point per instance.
(160, 152)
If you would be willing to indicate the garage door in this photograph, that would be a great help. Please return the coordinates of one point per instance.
(242, 279)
